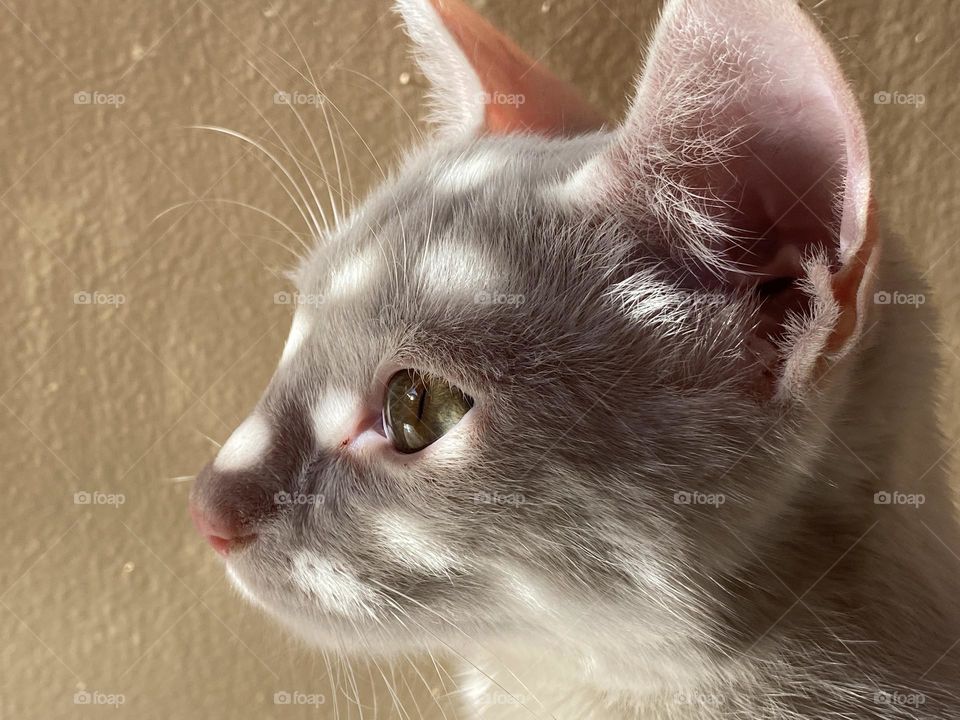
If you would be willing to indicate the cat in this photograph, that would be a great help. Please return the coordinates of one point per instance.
(622, 418)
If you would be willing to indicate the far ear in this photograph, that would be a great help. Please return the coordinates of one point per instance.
(744, 157)
(482, 82)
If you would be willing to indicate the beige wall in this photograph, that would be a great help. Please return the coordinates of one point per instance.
(127, 399)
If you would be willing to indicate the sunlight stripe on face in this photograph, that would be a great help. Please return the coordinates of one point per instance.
(246, 447)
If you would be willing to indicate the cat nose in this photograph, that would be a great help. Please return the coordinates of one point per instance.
(227, 507)
(222, 535)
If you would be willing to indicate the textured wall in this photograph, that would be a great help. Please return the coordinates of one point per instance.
(125, 399)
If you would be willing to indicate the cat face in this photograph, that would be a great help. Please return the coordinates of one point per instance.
(538, 376)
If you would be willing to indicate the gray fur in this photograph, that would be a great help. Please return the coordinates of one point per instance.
(550, 551)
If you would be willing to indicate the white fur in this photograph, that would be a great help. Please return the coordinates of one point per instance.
(332, 416)
(246, 446)
(299, 331)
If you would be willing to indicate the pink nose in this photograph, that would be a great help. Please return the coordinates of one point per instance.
(222, 535)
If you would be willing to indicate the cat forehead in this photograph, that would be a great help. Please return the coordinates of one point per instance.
(446, 220)
(456, 240)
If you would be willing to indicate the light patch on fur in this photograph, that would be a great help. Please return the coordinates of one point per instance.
(332, 415)
(335, 589)
(460, 269)
(523, 588)
(406, 538)
(246, 446)
(241, 587)
(299, 330)
(579, 189)
(471, 172)
(354, 274)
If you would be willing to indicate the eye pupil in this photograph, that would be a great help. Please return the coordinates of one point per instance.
(419, 409)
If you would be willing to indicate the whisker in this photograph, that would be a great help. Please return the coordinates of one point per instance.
(283, 142)
(389, 94)
(215, 443)
(326, 117)
(303, 209)
(258, 236)
(247, 206)
(426, 685)
(303, 126)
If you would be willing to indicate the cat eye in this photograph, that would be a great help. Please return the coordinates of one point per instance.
(420, 409)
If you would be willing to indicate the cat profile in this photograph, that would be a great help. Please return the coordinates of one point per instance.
(614, 415)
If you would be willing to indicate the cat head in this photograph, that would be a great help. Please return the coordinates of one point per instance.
(551, 362)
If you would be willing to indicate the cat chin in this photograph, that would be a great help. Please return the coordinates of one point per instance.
(323, 628)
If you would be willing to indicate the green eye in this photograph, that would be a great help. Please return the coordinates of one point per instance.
(419, 409)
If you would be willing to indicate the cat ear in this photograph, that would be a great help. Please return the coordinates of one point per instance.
(482, 82)
(744, 156)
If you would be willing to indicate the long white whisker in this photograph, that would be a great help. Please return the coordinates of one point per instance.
(323, 108)
(303, 126)
(239, 203)
(286, 147)
(304, 209)
(426, 685)
(389, 94)
(276, 242)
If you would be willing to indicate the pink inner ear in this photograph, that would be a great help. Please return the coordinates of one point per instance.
(521, 95)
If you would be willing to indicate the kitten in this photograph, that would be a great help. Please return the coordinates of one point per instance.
(615, 416)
